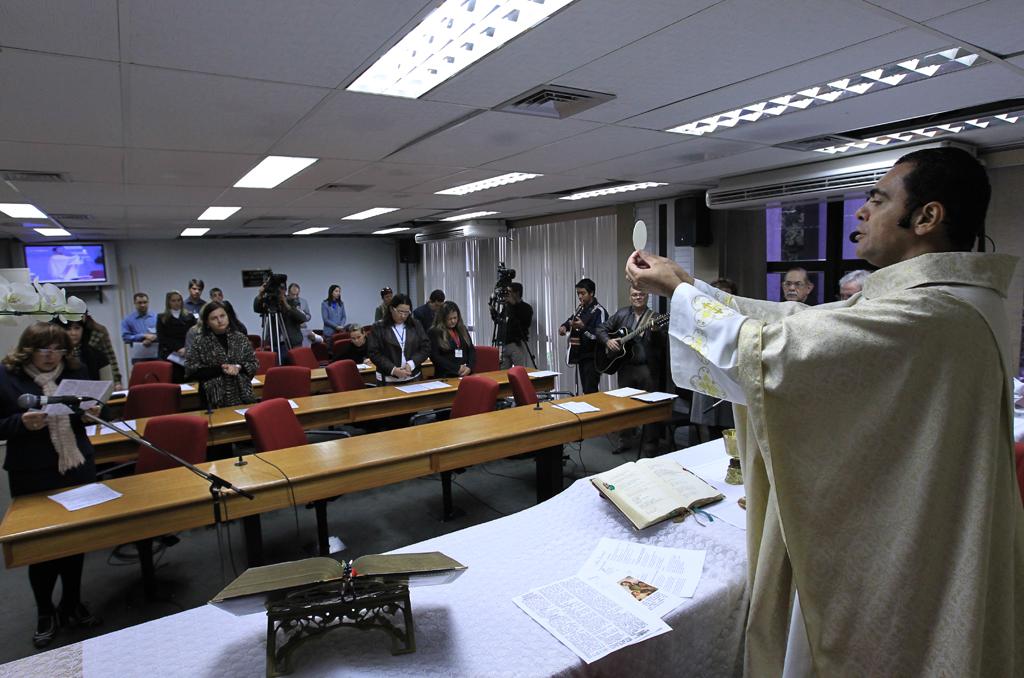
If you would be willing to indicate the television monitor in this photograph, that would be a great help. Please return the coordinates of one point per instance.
(67, 264)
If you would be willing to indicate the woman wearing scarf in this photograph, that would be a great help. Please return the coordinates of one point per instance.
(46, 452)
(221, 360)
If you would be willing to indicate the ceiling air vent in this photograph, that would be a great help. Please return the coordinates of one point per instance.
(344, 188)
(554, 101)
(29, 175)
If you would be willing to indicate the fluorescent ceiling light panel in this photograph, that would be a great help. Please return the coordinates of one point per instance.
(51, 232)
(611, 190)
(503, 180)
(926, 132)
(385, 231)
(194, 232)
(21, 210)
(311, 230)
(468, 215)
(217, 213)
(885, 77)
(453, 36)
(273, 170)
(370, 213)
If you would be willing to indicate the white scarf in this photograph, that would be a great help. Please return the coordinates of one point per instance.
(59, 425)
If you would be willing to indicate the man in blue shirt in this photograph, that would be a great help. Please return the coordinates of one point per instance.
(138, 330)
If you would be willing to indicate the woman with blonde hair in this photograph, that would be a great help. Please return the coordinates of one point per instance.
(172, 327)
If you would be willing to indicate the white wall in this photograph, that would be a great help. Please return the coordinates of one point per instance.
(1003, 225)
(360, 265)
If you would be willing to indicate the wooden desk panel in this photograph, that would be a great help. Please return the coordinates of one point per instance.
(317, 411)
(36, 529)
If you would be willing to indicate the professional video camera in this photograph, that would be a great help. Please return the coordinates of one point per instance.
(272, 286)
(499, 305)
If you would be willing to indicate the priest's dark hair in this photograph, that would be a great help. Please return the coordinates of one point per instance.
(586, 284)
(953, 177)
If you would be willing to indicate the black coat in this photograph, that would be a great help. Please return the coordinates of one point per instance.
(171, 331)
(31, 459)
(385, 351)
(445, 362)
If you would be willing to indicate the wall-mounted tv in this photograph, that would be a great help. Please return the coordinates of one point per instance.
(67, 264)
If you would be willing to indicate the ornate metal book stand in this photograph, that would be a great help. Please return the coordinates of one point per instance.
(363, 604)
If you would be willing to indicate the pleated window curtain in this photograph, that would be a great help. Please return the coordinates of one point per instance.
(548, 259)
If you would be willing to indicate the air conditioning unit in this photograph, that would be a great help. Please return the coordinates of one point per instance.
(820, 180)
(476, 229)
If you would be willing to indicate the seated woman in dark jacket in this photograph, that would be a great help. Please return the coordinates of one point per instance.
(171, 327)
(46, 452)
(451, 349)
(221, 360)
(398, 343)
(355, 349)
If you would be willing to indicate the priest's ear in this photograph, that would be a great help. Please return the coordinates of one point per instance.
(930, 222)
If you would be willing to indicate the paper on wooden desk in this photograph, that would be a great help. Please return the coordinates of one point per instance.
(655, 397)
(577, 408)
(625, 392)
(537, 374)
(294, 405)
(423, 386)
(187, 388)
(85, 496)
(129, 426)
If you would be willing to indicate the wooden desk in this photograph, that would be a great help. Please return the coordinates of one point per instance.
(318, 384)
(318, 411)
(36, 529)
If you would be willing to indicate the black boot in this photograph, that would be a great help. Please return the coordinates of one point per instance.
(46, 629)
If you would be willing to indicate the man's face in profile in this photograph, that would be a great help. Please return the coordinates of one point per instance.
(796, 286)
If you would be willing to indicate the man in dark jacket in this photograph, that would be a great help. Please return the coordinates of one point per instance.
(582, 329)
(291, 316)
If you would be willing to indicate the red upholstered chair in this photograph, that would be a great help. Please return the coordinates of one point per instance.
(151, 400)
(273, 425)
(266, 359)
(340, 334)
(152, 372)
(290, 381)
(321, 352)
(1019, 449)
(344, 376)
(338, 344)
(256, 341)
(487, 359)
(181, 434)
(302, 356)
(476, 395)
(522, 388)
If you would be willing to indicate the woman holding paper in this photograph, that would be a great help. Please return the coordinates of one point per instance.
(46, 452)
(221, 360)
(171, 327)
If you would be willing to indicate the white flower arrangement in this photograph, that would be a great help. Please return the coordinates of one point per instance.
(40, 300)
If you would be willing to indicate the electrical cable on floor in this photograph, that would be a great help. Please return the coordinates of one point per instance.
(484, 468)
(227, 528)
(478, 499)
(291, 493)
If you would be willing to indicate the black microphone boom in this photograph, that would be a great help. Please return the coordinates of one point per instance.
(30, 402)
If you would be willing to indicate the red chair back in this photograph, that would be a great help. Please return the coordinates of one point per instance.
(180, 434)
(256, 341)
(522, 388)
(274, 426)
(267, 359)
(321, 353)
(290, 381)
(344, 376)
(340, 334)
(476, 395)
(152, 400)
(487, 359)
(152, 372)
(303, 357)
(1019, 449)
(338, 342)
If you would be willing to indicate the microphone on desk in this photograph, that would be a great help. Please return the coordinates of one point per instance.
(30, 402)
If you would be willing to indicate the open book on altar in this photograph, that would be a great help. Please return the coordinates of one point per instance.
(257, 586)
(652, 490)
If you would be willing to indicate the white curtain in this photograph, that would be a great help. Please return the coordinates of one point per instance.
(548, 259)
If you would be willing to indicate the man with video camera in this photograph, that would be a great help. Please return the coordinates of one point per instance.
(272, 302)
(512, 318)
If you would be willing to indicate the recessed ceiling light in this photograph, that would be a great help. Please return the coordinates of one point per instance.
(468, 215)
(21, 210)
(385, 231)
(51, 232)
(885, 77)
(193, 232)
(367, 214)
(272, 170)
(612, 190)
(452, 37)
(504, 179)
(927, 132)
(311, 230)
(217, 213)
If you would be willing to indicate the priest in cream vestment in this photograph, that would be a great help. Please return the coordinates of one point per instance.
(885, 530)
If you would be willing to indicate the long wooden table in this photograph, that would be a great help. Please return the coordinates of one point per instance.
(318, 384)
(37, 529)
(317, 411)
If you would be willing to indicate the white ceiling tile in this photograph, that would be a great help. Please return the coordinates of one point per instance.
(393, 176)
(996, 25)
(78, 163)
(643, 166)
(585, 149)
(193, 111)
(324, 171)
(259, 197)
(316, 42)
(366, 126)
(87, 29)
(197, 196)
(488, 137)
(922, 10)
(186, 168)
(754, 161)
(59, 99)
(729, 42)
(44, 194)
(579, 34)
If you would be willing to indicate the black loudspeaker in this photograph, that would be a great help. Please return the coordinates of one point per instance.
(408, 251)
(693, 222)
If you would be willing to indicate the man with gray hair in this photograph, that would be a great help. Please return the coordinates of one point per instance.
(851, 283)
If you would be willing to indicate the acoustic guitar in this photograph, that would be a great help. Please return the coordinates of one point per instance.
(609, 362)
